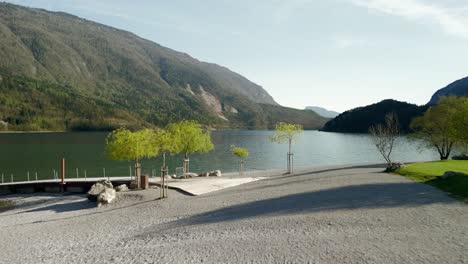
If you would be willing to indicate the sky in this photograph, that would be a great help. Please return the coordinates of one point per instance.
(337, 54)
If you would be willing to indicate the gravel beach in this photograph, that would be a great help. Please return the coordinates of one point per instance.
(322, 215)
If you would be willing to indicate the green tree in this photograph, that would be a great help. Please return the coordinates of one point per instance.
(165, 142)
(287, 133)
(443, 125)
(189, 137)
(241, 153)
(461, 122)
(123, 144)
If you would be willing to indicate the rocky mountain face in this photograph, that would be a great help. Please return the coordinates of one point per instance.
(323, 112)
(458, 88)
(62, 72)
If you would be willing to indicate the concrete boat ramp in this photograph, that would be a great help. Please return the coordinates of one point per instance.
(199, 186)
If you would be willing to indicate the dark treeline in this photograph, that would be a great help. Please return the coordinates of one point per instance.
(359, 120)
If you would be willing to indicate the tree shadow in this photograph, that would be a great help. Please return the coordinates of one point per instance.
(369, 166)
(64, 207)
(303, 177)
(383, 195)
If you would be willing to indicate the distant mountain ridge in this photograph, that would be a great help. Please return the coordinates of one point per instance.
(358, 120)
(457, 88)
(323, 112)
(85, 75)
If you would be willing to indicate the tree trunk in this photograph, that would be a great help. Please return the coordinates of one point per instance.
(290, 165)
(186, 163)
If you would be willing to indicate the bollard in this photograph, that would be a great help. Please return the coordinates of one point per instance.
(63, 172)
(28, 175)
(85, 175)
(104, 172)
(11, 177)
(36, 175)
(2, 177)
(77, 173)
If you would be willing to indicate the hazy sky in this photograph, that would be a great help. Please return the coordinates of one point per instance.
(338, 54)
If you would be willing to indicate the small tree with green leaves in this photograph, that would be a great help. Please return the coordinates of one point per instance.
(443, 125)
(461, 122)
(164, 141)
(189, 137)
(123, 144)
(287, 133)
(241, 153)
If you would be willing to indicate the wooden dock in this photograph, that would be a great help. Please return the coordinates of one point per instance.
(74, 185)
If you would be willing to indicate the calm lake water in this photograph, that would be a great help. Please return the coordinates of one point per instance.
(42, 152)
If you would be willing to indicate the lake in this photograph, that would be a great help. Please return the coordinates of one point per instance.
(41, 153)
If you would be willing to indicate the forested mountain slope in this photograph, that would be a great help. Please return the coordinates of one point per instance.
(62, 72)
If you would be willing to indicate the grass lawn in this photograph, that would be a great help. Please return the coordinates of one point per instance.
(428, 172)
(5, 205)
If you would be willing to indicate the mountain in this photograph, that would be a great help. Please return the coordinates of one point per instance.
(359, 120)
(322, 111)
(458, 88)
(62, 72)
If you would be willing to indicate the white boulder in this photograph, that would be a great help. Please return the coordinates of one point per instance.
(106, 197)
(121, 188)
(98, 188)
(216, 173)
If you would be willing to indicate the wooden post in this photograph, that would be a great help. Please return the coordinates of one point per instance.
(138, 174)
(63, 173)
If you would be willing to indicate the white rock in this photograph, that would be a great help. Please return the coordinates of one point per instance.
(106, 197)
(190, 175)
(121, 188)
(98, 188)
(216, 173)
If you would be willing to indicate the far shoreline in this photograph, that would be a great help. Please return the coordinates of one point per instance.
(108, 131)
(36, 132)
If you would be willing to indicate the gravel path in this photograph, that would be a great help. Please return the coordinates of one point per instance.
(350, 215)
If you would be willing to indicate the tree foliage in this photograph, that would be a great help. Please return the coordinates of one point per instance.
(461, 121)
(443, 125)
(189, 137)
(123, 144)
(286, 133)
(239, 152)
(384, 136)
(165, 141)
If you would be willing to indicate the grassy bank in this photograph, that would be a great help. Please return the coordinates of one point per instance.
(5, 205)
(429, 172)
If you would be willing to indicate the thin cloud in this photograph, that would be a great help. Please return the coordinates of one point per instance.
(452, 20)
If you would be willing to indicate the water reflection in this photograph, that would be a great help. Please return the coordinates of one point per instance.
(20, 153)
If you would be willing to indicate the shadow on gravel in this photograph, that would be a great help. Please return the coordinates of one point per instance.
(64, 207)
(385, 195)
(287, 176)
